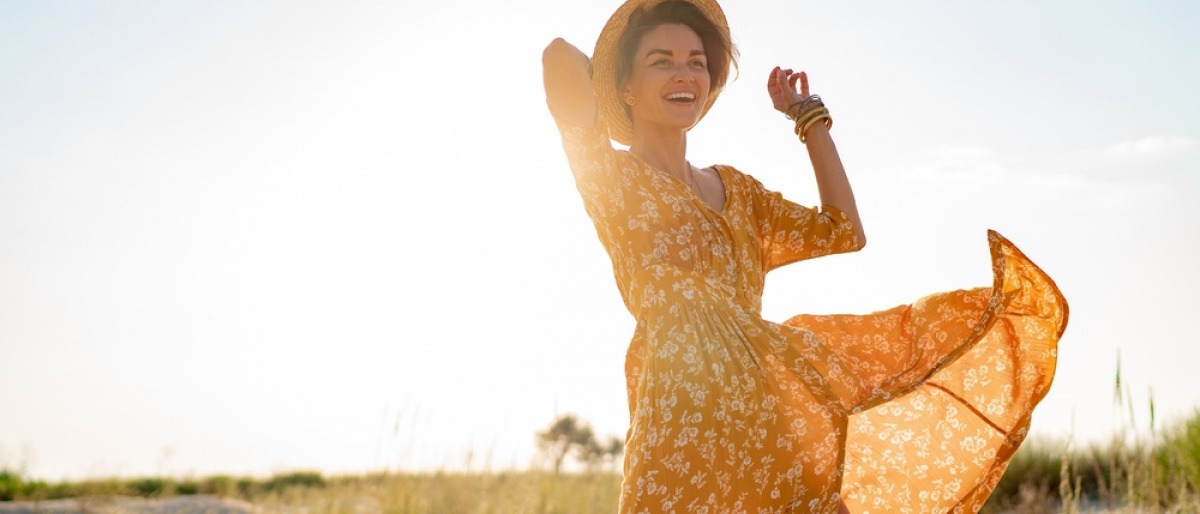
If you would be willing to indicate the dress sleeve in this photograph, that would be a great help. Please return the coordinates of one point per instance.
(599, 172)
(588, 149)
(789, 232)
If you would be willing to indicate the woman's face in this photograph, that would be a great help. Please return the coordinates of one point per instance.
(669, 81)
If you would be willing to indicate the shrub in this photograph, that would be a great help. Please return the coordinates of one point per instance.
(148, 487)
(294, 479)
(187, 487)
(12, 485)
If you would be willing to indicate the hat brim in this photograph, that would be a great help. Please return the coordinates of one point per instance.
(604, 65)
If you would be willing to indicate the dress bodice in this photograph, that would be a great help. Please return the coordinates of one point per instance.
(663, 238)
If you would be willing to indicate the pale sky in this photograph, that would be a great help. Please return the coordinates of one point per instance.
(247, 237)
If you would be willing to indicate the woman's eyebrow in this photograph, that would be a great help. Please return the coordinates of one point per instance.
(669, 53)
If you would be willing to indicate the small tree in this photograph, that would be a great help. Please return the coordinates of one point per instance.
(569, 435)
(595, 455)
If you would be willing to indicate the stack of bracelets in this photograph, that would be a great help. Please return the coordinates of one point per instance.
(807, 113)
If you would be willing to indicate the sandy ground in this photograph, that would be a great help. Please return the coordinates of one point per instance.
(178, 505)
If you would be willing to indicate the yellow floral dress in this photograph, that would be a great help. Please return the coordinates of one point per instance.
(913, 409)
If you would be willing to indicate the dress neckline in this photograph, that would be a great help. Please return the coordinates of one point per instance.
(719, 169)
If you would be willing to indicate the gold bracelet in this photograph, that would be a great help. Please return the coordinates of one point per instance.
(823, 117)
(807, 117)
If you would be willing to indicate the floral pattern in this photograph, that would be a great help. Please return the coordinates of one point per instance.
(913, 409)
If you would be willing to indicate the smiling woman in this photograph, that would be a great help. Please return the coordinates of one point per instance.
(671, 67)
(733, 413)
(643, 49)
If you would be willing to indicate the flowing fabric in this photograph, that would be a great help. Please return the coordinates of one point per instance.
(913, 409)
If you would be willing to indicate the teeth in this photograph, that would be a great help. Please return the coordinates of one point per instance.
(681, 96)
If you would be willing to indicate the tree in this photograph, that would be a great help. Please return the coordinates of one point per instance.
(594, 454)
(564, 434)
(568, 434)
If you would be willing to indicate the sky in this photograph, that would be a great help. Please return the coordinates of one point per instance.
(252, 237)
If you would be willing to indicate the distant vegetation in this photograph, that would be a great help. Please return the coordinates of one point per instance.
(14, 486)
(1159, 472)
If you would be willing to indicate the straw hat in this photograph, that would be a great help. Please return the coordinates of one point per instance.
(604, 64)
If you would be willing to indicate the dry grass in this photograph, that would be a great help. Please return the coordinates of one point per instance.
(442, 493)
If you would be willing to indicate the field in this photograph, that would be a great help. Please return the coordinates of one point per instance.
(1159, 472)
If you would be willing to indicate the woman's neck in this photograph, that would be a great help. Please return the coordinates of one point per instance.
(665, 151)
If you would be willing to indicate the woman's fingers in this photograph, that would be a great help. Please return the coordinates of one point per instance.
(776, 87)
(790, 77)
(782, 87)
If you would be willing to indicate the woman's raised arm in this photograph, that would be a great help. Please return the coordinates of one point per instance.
(832, 182)
(568, 86)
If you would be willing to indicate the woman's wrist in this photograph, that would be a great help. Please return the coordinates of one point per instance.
(816, 130)
(798, 108)
(821, 119)
(808, 113)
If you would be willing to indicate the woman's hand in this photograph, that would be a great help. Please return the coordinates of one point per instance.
(782, 88)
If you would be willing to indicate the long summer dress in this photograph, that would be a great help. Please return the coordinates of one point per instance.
(913, 409)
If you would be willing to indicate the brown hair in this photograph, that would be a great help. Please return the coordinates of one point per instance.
(720, 50)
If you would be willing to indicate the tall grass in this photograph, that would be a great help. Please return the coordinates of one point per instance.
(1153, 471)
(1129, 473)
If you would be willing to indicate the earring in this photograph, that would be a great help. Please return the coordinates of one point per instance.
(629, 100)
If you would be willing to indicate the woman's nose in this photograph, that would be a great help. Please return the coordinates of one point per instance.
(685, 74)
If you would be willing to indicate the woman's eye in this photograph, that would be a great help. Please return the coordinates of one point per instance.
(698, 64)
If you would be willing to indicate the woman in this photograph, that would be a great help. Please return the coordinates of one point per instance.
(914, 409)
